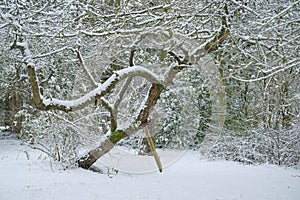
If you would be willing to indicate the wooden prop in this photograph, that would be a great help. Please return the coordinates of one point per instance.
(153, 150)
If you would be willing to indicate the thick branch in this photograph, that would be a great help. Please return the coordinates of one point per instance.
(153, 96)
(35, 88)
(101, 90)
(223, 34)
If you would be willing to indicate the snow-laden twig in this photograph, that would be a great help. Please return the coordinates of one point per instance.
(50, 53)
(133, 13)
(267, 76)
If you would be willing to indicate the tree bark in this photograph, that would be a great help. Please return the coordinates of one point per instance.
(88, 160)
(15, 104)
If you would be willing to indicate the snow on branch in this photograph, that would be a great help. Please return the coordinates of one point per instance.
(269, 75)
(101, 90)
(132, 13)
(283, 12)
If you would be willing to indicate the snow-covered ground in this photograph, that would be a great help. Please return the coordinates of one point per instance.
(26, 175)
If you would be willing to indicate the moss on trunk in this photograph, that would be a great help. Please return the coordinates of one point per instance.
(116, 136)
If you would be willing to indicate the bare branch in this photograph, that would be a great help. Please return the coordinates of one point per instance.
(267, 76)
(85, 69)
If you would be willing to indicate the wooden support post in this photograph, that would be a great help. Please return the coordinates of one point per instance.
(153, 149)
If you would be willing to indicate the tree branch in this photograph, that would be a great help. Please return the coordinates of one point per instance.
(77, 104)
(222, 35)
(101, 90)
(101, 100)
(85, 69)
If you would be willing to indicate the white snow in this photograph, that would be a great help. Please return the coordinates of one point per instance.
(24, 174)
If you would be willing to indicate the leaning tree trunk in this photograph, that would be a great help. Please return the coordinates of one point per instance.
(142, 120)
(88, 160)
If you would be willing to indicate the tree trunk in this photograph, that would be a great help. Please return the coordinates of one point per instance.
(15, 107)
(142, 120)
(221, 103)
(88, 160)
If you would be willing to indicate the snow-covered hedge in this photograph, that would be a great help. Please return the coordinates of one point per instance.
(259, 146)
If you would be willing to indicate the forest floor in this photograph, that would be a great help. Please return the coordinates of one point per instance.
(28, 174)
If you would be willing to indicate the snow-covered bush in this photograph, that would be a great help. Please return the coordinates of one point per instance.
(259, 146)
(53, 135)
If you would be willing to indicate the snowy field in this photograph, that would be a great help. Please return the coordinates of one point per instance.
(25, 174)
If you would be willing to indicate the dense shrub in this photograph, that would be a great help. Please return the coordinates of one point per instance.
(259, 146)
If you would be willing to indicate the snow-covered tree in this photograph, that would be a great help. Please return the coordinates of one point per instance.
(115, 58)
